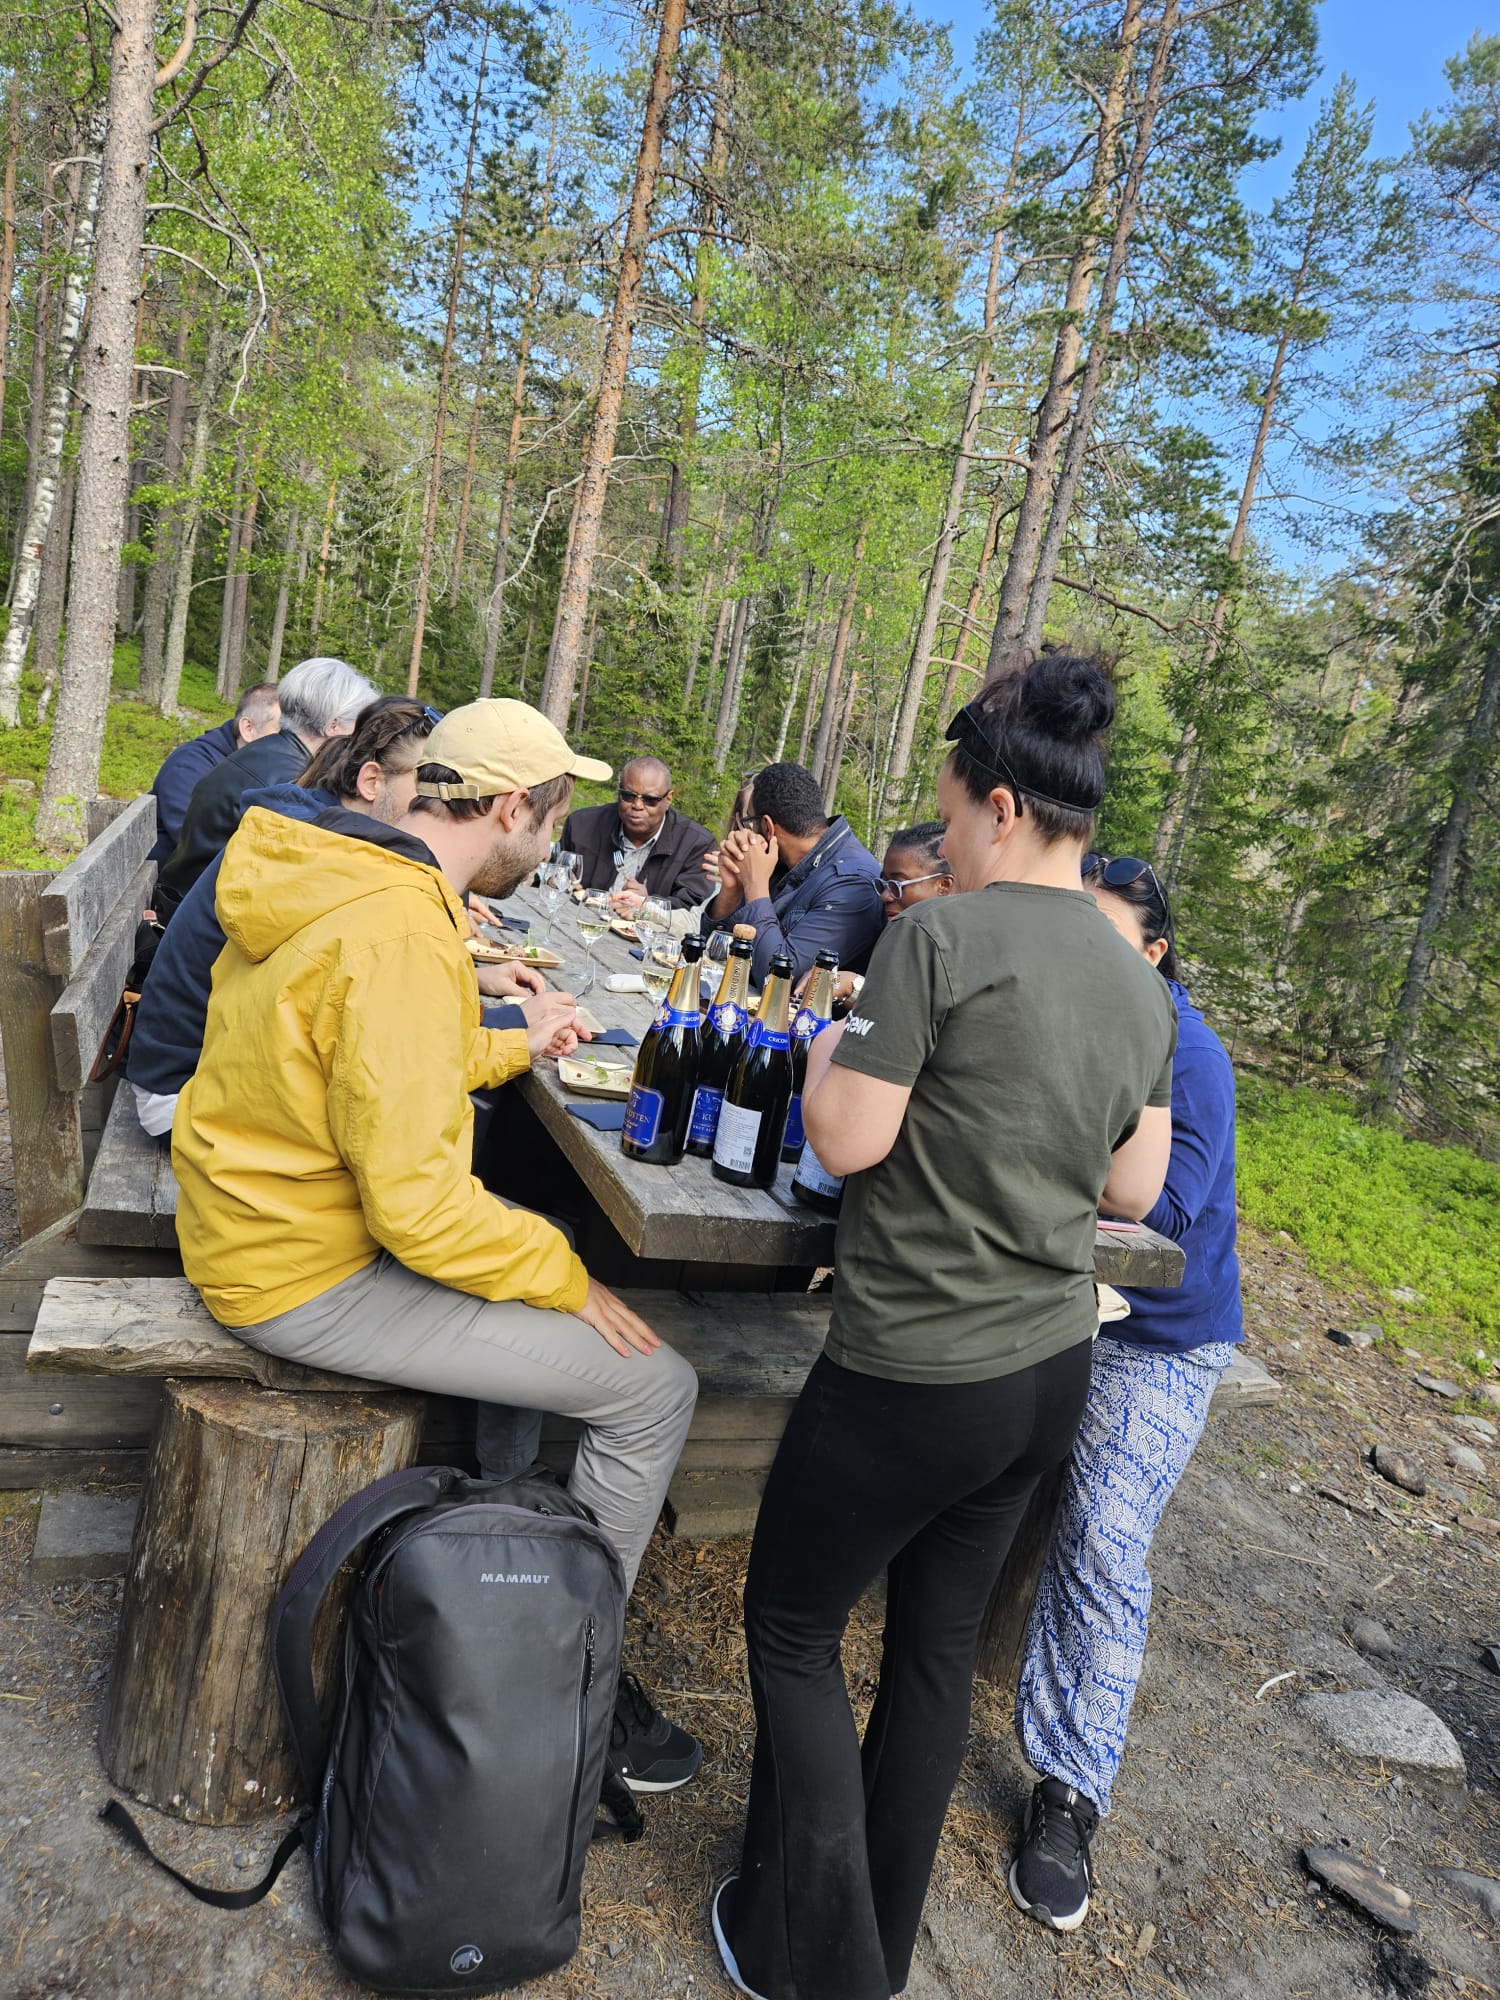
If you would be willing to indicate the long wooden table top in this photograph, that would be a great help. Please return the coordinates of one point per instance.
(685, 1212)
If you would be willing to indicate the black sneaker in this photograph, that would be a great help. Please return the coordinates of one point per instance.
(653, 1755)
(723, 1917)
(1050, 1877)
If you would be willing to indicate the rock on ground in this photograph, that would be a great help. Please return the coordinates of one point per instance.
(1394, 1728)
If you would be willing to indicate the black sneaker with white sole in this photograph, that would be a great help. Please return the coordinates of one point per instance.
(652, 1754)
(723, 1919)
(1050, 1877)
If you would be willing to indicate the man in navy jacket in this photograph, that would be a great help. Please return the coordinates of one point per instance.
(801, 878)
(257, 713)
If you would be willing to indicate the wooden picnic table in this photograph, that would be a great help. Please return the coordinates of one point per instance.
(686, 1212)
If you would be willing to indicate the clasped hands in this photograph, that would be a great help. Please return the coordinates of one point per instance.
(746, 862)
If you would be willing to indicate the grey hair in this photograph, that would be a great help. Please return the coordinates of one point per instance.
(318, 693)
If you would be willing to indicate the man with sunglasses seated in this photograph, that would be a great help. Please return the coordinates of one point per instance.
(641, 845)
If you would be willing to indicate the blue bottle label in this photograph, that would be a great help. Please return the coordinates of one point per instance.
(676, 1017)
(765, 1038)
(807, 1024)
(642, 1116)
(705, 1122)
(728, 1019)
(794, 1132)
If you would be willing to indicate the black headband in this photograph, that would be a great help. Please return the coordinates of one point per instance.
(965, 730)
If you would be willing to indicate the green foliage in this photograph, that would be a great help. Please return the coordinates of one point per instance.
(1364, 1203)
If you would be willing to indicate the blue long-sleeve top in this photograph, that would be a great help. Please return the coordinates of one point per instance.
(1196, 1206)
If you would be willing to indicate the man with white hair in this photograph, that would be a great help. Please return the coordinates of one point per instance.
(319, 698)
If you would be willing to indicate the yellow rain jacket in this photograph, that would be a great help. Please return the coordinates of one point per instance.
(329, 1117)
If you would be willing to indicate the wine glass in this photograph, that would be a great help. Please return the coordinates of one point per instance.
(715, 958)
(657, 968)
(593, 922)
(572, 866)
(554, 886)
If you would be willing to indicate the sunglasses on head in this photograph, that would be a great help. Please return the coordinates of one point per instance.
(1121, 872)
(432, 716)
(641, 798)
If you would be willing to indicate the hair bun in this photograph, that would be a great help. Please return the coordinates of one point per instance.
(1068, 697)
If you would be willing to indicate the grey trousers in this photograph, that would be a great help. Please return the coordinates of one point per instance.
(390, 1323)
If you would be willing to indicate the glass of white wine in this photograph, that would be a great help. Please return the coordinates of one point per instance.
(554, 882)
(657, 967)
(593, 922)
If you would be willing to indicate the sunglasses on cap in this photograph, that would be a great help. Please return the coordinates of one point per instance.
(1121, 872)
(432, 716)
(627, 798)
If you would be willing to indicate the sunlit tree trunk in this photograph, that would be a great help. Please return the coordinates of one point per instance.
(8, 221)
(322, 578)
(1052, 417)
(565, 652)
(833, 687)
(52, 593)
(679, 489)
(231, 566)
(167, 525)
(466, 498)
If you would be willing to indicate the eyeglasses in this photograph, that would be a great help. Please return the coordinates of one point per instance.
(641, 798)
(1122, 871)
(896, 887)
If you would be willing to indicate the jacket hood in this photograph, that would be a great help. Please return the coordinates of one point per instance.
(280, 874)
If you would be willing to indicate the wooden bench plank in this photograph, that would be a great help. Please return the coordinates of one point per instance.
(132, 1192)
(87, 1004)
(77, 902)
(45, 1127)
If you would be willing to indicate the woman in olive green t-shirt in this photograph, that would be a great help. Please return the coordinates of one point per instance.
(1008, 1064)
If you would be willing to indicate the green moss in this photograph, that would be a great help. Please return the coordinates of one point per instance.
(1364, 1203)
(136, 739)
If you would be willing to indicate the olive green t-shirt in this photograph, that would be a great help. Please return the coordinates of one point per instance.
(1031, 1036)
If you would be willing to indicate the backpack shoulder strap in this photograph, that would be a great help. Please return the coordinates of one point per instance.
(115, 1815)
(387, 1500)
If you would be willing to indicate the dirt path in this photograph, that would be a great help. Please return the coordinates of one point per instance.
(1201, 1888)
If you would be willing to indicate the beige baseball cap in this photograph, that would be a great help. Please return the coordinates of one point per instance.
(502, 746)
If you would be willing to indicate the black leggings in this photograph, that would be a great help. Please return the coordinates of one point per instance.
(928, 1483)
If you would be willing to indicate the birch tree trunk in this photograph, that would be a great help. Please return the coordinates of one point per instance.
(840, 743)
(167, 525)
(52, 593)
(721, 626)
(833, 687)
(8, 221)
(240, 612)
(564, 655)
(728, 718)
(1081, 430)
(190, 518)
(49, 451)
(811, 627)
(1471, 762)
(445, 376)
(41, 340)
(1052, 417)
(322, 578)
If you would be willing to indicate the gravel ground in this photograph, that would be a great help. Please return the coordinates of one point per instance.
(1201, 1888)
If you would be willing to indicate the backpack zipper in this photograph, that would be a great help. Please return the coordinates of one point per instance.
(586, 1681)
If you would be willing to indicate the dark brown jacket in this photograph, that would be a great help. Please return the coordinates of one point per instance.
(674, 868)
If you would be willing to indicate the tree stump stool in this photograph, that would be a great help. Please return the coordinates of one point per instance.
(239, 1480)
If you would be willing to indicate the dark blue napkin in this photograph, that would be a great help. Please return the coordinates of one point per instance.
(514, 923)
(603, 1117)
(615, 1038)
(636, 952)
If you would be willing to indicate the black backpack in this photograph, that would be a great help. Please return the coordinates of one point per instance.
(457, 1786)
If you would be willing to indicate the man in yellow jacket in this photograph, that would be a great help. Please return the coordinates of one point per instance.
(326, 1209)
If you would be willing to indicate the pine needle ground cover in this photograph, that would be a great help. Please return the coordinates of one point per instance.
(1416, 1225)
(136, 739)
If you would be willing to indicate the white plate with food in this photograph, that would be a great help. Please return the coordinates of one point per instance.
(590, 1077)
(622, 927)
(483, 952)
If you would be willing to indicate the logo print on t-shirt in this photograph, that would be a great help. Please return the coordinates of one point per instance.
(855, 1026)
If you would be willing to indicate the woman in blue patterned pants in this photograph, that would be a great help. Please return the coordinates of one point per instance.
(1153, 1376)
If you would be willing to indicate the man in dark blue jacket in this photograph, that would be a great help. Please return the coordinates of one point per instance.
(803, 880)
(257, 714)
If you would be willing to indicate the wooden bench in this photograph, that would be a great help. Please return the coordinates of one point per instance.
(66, 944)
(251, 1454)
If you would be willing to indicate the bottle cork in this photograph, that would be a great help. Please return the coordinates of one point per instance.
(744, 930)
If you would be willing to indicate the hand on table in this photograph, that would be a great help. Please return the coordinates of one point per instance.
(510, 981)
(613, 1320)
(551, 1024)
(628, 898)
(752, 860)
(531, 1001)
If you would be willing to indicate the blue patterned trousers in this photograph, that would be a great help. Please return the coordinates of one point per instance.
(1087, 1636)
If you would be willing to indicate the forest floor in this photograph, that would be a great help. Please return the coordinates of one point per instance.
(1201, 1890)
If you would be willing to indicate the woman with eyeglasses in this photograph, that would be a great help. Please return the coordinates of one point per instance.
(913, 870)
(1007, 1068)
(1153, 1376)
